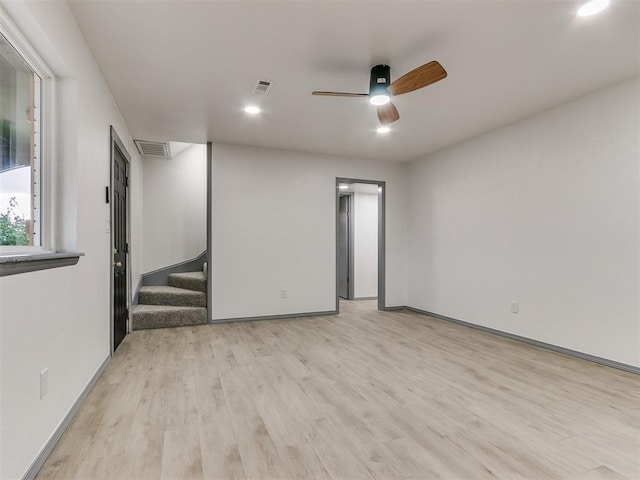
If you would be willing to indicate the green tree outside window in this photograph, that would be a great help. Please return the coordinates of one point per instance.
(13, 228)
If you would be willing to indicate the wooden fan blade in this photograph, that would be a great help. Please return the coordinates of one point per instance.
(340, 94)
(420, 77)
(388, 113)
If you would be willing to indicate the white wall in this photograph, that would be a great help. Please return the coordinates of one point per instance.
(59, 319)
(365, 239)
(274, 218)
(175, 208)
(544, 211)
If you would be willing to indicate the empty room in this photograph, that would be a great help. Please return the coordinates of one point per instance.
(346, 239)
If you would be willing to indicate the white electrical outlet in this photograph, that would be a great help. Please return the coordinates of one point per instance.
(44, 383)
(514, 306)
(283, 293)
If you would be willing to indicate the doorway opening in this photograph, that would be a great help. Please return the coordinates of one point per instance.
(360, 240)
(172, 291)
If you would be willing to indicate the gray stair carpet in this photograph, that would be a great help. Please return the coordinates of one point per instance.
(162, 316)
(180, 297)
(183, 302)
(189, 280)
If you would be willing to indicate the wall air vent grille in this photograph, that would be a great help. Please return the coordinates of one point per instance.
(153, 149)
(262, 87)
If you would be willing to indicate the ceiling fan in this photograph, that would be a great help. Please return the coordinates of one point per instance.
(381, 89)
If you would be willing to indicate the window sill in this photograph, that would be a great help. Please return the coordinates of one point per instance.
(23, 263)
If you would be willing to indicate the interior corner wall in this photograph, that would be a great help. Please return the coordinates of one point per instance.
(365, 269)
(274, 228)
(136, 213)
(175, 208)
(59, 319)
(544, 212)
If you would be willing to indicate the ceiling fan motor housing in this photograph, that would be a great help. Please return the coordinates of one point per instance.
(380, 80)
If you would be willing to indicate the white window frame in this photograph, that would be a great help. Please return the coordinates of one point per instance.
(47, 141)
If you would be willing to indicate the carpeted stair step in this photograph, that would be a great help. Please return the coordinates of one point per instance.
(189, 280)
(162, 316)
(162, 295)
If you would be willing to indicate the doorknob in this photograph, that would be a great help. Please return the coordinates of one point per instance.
(117, 264)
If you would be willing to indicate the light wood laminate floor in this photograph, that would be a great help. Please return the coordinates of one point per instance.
(360, 395)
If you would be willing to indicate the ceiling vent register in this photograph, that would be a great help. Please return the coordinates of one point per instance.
(153, 149)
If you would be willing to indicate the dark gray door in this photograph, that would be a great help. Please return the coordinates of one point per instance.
(119, 226)
(343, 246)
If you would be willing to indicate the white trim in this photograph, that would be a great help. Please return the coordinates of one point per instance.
(48, 163)
(23, 46)
(17, 250)
(47, 135)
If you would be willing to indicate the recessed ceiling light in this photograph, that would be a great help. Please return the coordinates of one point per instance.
(592, 7)
(383, 129)
(342, 186)
(252, 110)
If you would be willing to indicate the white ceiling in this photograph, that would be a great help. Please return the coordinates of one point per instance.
(183, 70)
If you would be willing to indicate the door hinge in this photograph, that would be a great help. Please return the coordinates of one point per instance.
(126, 181)
(126, 247)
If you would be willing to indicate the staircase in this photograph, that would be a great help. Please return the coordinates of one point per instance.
(183, 302)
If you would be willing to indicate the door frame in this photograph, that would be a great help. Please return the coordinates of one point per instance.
(350, 243)
(209, 256)
(382, 190)
(116, 143)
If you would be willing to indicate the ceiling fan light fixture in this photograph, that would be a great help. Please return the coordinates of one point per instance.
(380, 98)
(378, 82)
(381, 89)
(592, 7)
